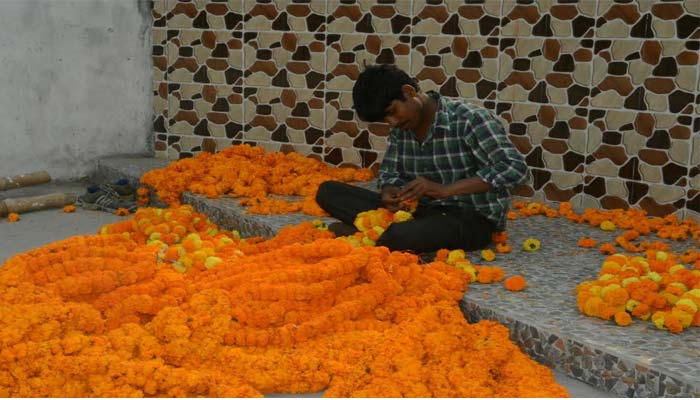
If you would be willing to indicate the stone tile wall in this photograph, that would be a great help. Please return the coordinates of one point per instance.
(602, 97)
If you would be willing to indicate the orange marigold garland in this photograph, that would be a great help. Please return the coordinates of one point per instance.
(257, 177)
(98, 316)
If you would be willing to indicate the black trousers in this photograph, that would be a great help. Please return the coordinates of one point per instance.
(431, 229)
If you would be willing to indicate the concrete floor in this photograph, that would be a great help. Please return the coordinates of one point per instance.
(42, 227)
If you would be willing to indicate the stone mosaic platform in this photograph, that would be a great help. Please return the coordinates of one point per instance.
(636, 361)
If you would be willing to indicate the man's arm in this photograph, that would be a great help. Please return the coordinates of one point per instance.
(503, 165)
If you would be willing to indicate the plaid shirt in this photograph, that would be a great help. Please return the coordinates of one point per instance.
(464, 141)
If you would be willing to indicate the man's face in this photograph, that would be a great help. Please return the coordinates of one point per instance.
(404, 114)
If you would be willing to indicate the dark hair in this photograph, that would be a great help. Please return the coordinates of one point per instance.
(375, 89)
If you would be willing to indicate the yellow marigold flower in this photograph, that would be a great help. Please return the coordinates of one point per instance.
(211, 262)
(455, 255)
(488, 255)
(607, 226)
(402, 216)
(531, 244)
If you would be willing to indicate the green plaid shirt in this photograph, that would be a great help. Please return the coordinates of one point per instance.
(464, 141)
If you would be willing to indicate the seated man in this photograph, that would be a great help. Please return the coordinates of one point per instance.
(455, 158)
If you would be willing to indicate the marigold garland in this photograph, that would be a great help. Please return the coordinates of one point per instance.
(99, 316)
(256, 177)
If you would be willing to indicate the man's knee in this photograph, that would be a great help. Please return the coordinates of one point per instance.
(325, 192)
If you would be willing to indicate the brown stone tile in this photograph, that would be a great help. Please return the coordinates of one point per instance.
(205, 110)
(665, 157)
(543, 185)
(658, 200)
(351, 157)
(369, 16)
(160, 107)
(204, 14)
(550, 71)
(158, 13)
(347, 53)
(694, 165)
(294, 116)
(205, 56)
(548, 18)
(315, 152)
(452, 18)
(623, 20)
(676, 20)
(285, 15)
(613, 144)
(549, 137)
(345, 130)
(606, 193)
(291, 59)
(456, 66)
(692, 206)
(481, 18)
(159, 54)
(644, 75)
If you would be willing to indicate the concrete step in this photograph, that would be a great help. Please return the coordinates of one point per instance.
(636, 361)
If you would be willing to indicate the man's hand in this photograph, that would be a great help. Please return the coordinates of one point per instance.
(390, 199)
(422, 187)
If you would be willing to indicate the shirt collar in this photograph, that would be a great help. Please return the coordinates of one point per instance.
(439, 117)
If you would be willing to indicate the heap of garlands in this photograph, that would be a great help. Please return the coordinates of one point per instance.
(101, 316)
(252, 174)
(657, 285)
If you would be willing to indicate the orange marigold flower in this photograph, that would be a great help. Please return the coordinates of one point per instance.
(515, 283)
(607, 248)
(503, 248)
(12, 217)
(441, 255)
(623, 319)
(122, 212)
(69, 208)
(587, 242)
(499, 237)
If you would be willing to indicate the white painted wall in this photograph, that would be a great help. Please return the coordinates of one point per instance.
(75, 83)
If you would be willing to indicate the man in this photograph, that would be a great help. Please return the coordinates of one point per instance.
(455, 158)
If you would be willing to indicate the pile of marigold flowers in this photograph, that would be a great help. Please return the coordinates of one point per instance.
(654, 287)
(252, 174)
(101, 316)
(658, 285)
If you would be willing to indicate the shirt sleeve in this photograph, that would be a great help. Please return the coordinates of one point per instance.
(503, 165)
(389, 169)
